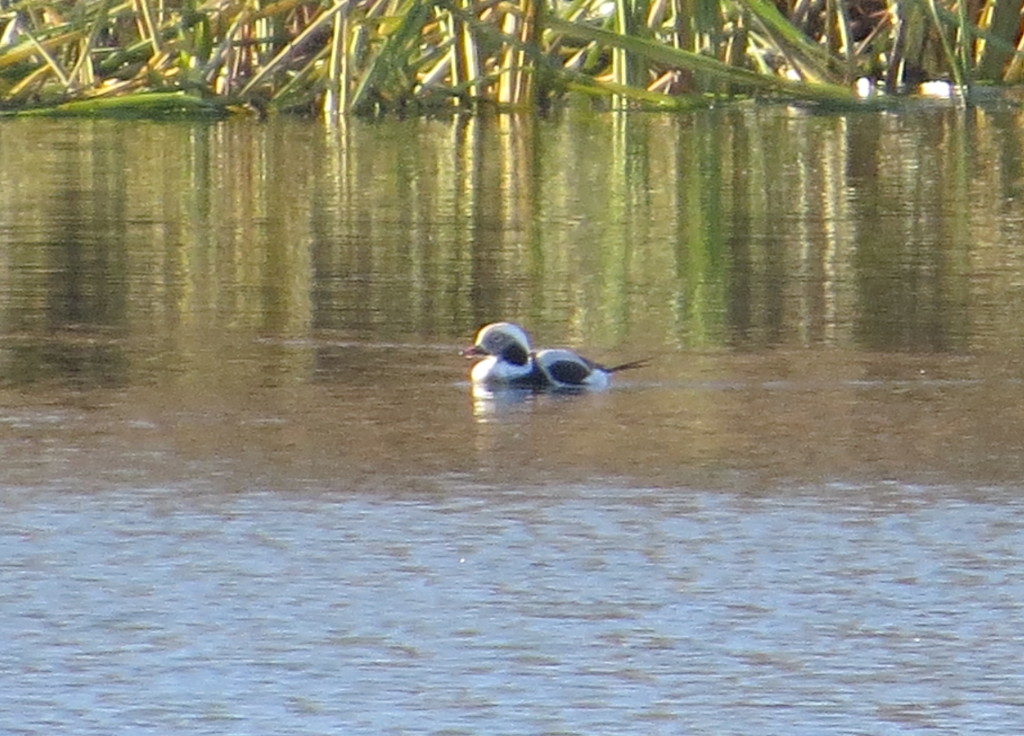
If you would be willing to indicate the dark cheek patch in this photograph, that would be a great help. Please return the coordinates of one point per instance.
(516, 355)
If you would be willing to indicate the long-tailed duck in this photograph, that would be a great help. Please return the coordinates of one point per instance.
(509, 362)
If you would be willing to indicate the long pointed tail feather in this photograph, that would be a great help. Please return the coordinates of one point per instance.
(642, 363)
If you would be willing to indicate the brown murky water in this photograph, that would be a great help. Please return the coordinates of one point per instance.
(245, 487)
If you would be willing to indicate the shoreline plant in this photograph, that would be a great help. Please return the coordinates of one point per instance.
(154, 58)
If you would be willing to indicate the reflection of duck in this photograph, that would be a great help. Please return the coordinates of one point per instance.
(510, 363)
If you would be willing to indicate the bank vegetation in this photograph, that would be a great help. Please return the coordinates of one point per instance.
(339, 57)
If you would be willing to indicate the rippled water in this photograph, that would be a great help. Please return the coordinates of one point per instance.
(597, 609)
(245, 488)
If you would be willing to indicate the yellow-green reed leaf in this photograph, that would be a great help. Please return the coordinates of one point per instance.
(284, 54)
(145, 13)
(789, 36)
(394, 52)
(643, 97)
(515, 87)
(770, 15)
(988, 34)
(282, 7)
(998, 46)
(336, 94)
(966, 43)
(58, 70)
(298, 91)
(955, 67)
(27, 49)
(143, 104)
(83, 70)
(26, 84)
(679, 58)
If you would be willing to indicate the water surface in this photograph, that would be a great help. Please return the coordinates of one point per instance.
(246, 489)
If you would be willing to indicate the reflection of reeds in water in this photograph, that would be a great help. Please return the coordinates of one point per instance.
(732, 227)
(149, 58)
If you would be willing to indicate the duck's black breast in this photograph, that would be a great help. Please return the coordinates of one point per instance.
(535, 379)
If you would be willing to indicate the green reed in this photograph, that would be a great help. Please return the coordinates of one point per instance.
(337, 57)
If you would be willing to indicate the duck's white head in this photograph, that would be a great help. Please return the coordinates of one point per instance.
(505, 341)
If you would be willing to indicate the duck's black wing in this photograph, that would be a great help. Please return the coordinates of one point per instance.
(569, 372)
(564, 368)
